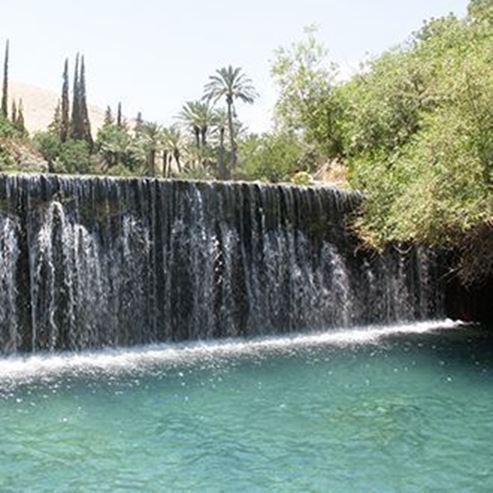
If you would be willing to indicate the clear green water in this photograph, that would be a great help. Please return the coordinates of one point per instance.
(410, 412)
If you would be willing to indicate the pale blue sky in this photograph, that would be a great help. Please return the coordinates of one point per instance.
(156, 54)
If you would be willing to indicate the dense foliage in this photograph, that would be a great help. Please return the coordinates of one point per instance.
(419, 138)
(420, 132)
(271, 157)
(415, 129)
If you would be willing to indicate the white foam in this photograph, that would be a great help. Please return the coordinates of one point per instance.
(115, 360)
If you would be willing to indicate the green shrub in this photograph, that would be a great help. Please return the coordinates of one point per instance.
(74, 157)
(273, 157)
(6, 161)
(7, 129)
(302, 178)
(49, 145)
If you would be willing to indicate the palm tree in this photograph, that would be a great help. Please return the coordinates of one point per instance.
(198, 116)
(151, 139)
(114, 145)
(231, 84)
(220, 124)
(172, 147)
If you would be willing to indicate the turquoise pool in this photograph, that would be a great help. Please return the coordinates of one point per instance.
(396, 409)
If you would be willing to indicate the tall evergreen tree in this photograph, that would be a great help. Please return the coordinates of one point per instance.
(19, 123)
(75, 126)
(108, 117)
(13, 114)
(55, 127)
(139, 124)
(119, 118)
(84, 113)
(5, 89)
(65, 106)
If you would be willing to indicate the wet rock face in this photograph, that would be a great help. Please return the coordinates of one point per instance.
(93, 262)
(472, 303)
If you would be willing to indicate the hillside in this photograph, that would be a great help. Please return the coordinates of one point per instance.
(39, 106)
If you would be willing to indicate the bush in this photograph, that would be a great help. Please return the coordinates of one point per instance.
(196, 173)
(414, 128)
(8, 129)
(6, 161)
(49, 145)
(270, 157)
(74, 157)
(302, 178)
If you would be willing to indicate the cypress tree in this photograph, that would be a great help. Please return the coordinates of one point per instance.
(19, 123)
(56, 124)
(5, 89)
(13, 115)
(84, 113)
(64, 110)
(108, 117)
(119, 120)
(139, 124)
(75, 132)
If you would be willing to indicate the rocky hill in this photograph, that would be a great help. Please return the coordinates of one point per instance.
(39, 106)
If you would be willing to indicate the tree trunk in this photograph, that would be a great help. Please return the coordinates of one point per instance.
(165, 164)
(176, 155)
(222, 167)
(196, 131)
(231, 134)
(203, 133)
(152, 161)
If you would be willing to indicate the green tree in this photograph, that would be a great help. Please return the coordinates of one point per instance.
(419, 139)
(230, 84)
(7, 129)
(76, 131)
(172, 149)
(480, 11)
(150, 142)
(119, 116)
(271, 157)
(74, 157)
(56, 123)
(108, 117)
(65, 106)
(188, 119)
(19, 122)
(84, 112)
(49, 145)
(5, 88)
(197, 116)
(13, 114)
(308, 101)
(116, 147)
(220, 125)
(80, 126)
(139, 123)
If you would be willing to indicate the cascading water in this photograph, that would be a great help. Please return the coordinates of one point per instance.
(94, 262)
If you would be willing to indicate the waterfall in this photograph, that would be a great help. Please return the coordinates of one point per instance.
(92, 262)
